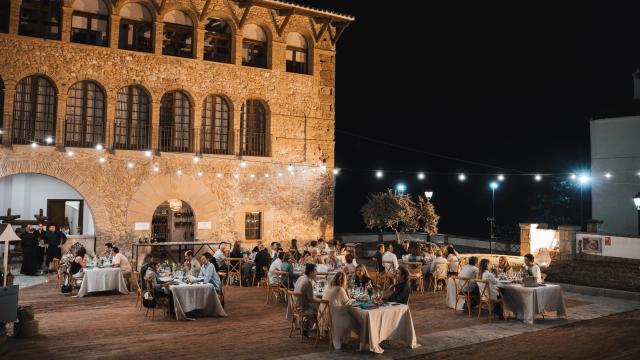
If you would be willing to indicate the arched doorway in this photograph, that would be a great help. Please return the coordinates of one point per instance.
(173, 221)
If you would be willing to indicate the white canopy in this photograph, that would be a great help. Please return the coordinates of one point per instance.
(6, 236)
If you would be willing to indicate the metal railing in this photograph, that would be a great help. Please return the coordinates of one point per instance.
(176, 139)
(216, 140)
(131, 136)
(77, 133)
(254, 144)
(25, 131)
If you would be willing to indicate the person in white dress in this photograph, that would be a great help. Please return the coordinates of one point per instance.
(487, 275)
(531, 267)
(341, 321)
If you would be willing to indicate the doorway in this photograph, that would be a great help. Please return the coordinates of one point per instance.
(66, 214)
(173, 221)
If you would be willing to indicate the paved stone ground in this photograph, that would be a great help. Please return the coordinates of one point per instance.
(108, 327)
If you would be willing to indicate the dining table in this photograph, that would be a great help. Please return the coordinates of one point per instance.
(197, 296)
(385, 321)
(526, 302)
(97, 279)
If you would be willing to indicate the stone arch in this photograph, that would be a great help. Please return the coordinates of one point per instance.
(13, 166)
(158, 189)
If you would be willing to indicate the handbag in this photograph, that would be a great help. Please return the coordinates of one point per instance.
(148, 300)
(66, 287)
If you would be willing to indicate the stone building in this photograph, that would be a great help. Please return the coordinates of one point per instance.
(227, 106)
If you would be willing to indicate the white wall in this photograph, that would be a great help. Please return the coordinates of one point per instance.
(26, 194)
(620, 246)
(615, 148)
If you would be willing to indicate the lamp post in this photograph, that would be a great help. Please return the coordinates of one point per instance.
(492, 220)
(636, 200)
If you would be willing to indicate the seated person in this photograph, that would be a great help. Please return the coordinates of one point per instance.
(208, 271)
(503, 266)
(453, 259)
(79, 264)
(486, 274)
(123, 263)
(415, 255)
(262, 260)
(350, 264)
(306, 258)
(220, 256)
(401, 290)
(107, 252)
(146, 263)
(323, 248)
(152, 275)
(276, 265)
(191, 263)
(287, 266)
(333, 261)
(362, 278)
(377, 257)
(315, 257)
(531, 268)
(470, 271)
(342, 321)
(309, 303)
(389, 256)
(440, 267)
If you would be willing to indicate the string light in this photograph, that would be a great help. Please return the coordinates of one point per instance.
(102, 159)
(421, 176)
(156, 168)
(196, 159)
(462, 177)
(130, 165)
(336, 171)
(279, 174)
(219, 175)
(243, 164)
(48, 140)
(500, 177)
(584, 179)
(34, 145)
(573, 176)
(179, 172)
(493, 185)
(538, 177)
(323, 168)
(291, 173)
(379, 174)
(252, 176)
(236, 176)
(70, 153)
(608, 175)
(290, 168)
(200, 173)
(148, 153)
(99, 147)
(266, 175)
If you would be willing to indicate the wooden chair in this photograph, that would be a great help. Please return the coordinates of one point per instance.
(440, 273)
(264, 279)
(234, 268)
(390, 270)
(161, 302)
(283, 285)
(297, 313)
(324, 322)
(462, 291)
(59, 275)
(273, 289)
(135, 279)
(485, 298)
(415, 273)
(322, 276)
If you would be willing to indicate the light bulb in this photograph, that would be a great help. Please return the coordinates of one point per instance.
(379, 174)
(462, 177)
(421, 176)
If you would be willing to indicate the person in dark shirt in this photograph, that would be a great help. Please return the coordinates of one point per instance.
(29, 252)
(54, 239)
(401, 290)
(404, 249)
(148, 259)
(263, 259)
(39, 234)
(378, 258)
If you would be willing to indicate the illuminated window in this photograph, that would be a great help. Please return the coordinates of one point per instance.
(254, 137)
(254, 46)
(297, 54)
(40, 18)
(132, 128)
(177, 34)
(217, 41)
(85, 122)
(136, 26)
(175, 122)
(215, 126)
(90, 22)
(34, 111)
(252, 225)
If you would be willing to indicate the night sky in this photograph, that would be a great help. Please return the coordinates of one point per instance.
(507, 84)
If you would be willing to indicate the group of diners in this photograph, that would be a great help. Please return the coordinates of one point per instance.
(112, 255)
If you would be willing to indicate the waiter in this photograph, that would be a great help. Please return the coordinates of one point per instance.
(39, 234)
(54, 240)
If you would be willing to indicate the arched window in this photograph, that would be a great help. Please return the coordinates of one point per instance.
(34, 111)
(5, 7)
(85, 120)
(41, 18)
(254, 136)
(136, 24)
(177, 34)
(90, 22)
(254, 46)
(175, 132)
(297, 54)
(132, 125)
(215, 135)
(217, 41)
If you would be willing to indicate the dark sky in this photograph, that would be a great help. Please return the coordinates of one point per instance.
(506, 83)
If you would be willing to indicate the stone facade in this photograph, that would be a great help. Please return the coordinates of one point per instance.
(300, 120)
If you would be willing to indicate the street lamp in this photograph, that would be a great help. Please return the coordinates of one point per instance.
(428, 195)
(401, 188)
(636, 200)
(492, 220)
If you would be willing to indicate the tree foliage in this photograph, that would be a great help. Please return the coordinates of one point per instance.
(427, 217)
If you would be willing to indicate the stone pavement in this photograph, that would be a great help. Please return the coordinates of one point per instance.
(438, 341)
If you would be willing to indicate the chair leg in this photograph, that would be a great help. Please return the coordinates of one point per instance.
(469, 305)
(479, 309)
(490, 310)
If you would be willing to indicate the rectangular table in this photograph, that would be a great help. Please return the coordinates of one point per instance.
(384, 323)
(526, 302)
(188, 298)
(105, 279)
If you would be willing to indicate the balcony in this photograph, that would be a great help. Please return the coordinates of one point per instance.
(29, 129)
(176, 139)
(216, 140)
(136, 136)
(254, 144)
(77, 133)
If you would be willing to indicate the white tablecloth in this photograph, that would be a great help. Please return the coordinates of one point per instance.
(107, 279)
(384, 323)
(527, 302)
(451, 296)
(203, 297)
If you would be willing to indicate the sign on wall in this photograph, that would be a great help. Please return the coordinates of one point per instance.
(142, 226)
(592, 245)
(204, 225)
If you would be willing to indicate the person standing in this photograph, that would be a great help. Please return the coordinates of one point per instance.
(29, 252)
(39, 234)
(54, 239)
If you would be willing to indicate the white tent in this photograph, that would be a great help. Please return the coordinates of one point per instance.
(6, 236)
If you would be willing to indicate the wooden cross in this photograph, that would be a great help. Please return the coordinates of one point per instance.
(40, 217)
(9, 218)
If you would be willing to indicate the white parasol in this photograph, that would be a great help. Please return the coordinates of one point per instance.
(6, 236)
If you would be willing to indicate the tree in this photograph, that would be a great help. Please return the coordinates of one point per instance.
(427, 217)
(388, 211)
